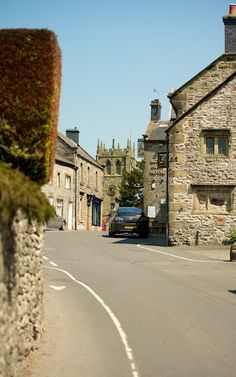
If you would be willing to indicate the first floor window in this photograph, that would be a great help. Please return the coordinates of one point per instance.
(50, 199)
(162, 160)
(58, 179)
(68, 182)
(215, 143)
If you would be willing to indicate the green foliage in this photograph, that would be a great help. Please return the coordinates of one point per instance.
(30, 77)
(232, 236)
(18, 192)
(131, 189)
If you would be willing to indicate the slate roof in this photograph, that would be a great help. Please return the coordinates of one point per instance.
(80, 151)
(158, 133)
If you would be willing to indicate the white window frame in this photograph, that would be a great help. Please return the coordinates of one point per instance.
(68, 182)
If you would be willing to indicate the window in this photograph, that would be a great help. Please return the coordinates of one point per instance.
(68, 182)
(215, 143)
(108, 167)
(58, 179)
(81, 173)
(81, 208)
(212, 199)
(96, 213)
(162, 160)
(50, 199)
(88, 176)
(59, 207)
(96, 181)
(118, 167)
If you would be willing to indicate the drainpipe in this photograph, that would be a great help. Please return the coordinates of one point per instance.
(167, 190)
(76, 196)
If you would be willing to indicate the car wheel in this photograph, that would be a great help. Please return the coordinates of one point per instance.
(63, 226)
(111, 234)
(144, 234)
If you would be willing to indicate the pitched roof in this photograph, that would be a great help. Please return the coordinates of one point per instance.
(80, 151)
(208, 95)
(221, 57)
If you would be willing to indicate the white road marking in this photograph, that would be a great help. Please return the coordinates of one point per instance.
(53, 264)
(46, 258)
(57, 288)
(177, 256)
(123, 336)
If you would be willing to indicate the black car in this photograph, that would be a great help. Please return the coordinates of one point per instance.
(129, 220)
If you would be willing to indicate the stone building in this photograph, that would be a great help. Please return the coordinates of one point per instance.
(202, 151)
(76, 187)
(115, 160)
(154, 155)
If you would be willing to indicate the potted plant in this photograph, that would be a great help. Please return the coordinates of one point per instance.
(232, 242)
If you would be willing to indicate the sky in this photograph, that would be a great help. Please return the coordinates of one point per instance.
(117, 56)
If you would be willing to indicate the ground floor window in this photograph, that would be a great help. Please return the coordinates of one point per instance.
(96, 213)
(212, 199)
(59, 207)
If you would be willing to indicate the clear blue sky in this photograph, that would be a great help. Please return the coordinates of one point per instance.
(115, 53)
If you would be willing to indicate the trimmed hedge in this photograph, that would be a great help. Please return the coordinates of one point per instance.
(18, 192)
(30, 79)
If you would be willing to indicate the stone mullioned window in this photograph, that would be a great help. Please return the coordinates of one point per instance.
(212, 199)
(215, 143)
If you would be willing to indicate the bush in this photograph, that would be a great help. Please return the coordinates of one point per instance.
(30, 78)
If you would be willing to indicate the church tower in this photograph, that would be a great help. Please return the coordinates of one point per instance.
(115, 161)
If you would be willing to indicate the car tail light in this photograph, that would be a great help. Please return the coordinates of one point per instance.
(142, 218)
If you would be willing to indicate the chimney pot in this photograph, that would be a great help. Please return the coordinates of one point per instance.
(230, 30)
(232, 11)
(73, 134)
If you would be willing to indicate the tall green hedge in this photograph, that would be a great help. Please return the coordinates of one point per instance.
(30, 79)
(18, 192)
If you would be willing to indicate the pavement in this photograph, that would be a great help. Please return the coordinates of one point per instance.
(218, 252)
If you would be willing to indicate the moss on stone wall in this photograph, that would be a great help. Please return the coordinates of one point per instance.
(18, 192)
(30, 77)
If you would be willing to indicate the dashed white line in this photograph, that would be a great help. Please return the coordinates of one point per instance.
(45, 258)
(57, 288)
(53, 264)
(178, 256)
(123, 336)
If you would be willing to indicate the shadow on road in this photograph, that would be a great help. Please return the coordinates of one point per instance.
(133, 239)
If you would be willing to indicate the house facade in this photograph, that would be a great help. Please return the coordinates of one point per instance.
(202, 151)
(76, 186)
(154, 155)
(115, 161)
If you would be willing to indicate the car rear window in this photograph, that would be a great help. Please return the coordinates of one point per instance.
(129, 211)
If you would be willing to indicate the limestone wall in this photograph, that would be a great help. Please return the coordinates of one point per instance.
(21, 292)
(203, 83)
(193, 174)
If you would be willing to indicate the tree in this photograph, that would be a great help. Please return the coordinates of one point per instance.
(131, 188)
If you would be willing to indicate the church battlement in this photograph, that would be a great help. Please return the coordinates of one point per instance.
(103, 151)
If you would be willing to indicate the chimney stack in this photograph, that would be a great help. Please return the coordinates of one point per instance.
(230, 30)
(155, 110)
(73, 134)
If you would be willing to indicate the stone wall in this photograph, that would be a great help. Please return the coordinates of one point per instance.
(154, 182)
(21, 292)
(203, 83)
(193, 174)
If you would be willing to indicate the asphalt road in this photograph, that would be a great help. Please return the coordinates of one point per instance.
(124, 307)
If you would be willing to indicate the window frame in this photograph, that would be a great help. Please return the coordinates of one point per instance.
(215, 135)
(68, 182)
(209, 191)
